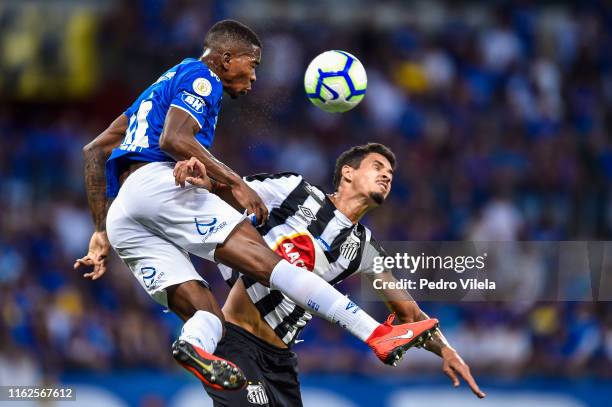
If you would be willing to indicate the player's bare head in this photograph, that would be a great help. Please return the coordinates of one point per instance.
(232, 50)
(366, 170)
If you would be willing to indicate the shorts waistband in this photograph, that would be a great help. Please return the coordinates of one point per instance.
(258, 341)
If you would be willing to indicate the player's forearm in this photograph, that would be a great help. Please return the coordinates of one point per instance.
(437, 343)
(225, 192)
(95, 154)
(95, 184)
(185, 147)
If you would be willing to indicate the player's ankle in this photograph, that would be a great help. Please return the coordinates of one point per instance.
(380, 330)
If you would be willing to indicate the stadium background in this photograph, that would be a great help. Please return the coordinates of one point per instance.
(499, 113)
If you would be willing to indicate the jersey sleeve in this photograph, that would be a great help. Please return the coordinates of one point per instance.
(196, 91)
(273, 189)
(371, 252)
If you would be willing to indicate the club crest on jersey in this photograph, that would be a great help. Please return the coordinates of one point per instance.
(349, 249)
(298, 250)
(194, 102)
(202, 86)
(256, 394)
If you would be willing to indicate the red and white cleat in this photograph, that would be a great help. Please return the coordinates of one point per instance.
(389, 342)
(213, 371)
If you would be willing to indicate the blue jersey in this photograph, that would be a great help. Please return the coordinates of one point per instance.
(190, 86)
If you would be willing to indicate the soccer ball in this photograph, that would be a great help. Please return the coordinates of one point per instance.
(335, 81)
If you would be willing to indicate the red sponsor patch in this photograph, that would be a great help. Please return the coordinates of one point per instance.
(298, 250)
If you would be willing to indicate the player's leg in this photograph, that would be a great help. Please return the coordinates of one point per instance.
(245, 250)
(191, 296)
(248, 356)
(203, 224)
(165, 272)
(193, 302)
(281, 374)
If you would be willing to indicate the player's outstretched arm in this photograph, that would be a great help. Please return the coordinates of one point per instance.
(407, 310)
(95, 154)
(178, 140)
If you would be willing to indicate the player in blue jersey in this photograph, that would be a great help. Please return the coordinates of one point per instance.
(154, 225)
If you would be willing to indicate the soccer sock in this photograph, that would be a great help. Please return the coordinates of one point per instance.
(203, 330)
(311, 292)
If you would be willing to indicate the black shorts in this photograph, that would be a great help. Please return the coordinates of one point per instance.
(271, 372)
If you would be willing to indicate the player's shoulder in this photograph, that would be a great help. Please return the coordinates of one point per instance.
(274, 188)
(201, 78)
(369, 239)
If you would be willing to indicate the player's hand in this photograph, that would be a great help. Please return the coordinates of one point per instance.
(99, 248)
(193, 172)
(454, 366)
(249, 200)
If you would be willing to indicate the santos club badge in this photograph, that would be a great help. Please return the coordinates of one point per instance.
(256, 394)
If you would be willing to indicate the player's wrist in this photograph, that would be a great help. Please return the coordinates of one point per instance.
(234, 181)
(447, 350)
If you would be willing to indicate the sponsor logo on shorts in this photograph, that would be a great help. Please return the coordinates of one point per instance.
(196, 103)
(256, 394)
(151, 278)
(208, 227)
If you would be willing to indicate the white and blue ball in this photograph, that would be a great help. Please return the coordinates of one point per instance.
(335, 81)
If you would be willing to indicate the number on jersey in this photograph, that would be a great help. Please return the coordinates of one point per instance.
(136, 134)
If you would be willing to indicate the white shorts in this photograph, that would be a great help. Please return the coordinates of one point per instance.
(153, 225)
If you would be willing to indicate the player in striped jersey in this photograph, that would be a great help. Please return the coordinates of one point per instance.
(322, 234)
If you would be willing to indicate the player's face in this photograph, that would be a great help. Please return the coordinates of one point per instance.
(373, 177)
(240, 73)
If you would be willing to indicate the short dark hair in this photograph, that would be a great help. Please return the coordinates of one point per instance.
(230, 31)
(354, 155)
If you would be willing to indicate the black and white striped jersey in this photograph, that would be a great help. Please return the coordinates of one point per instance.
(306, 229)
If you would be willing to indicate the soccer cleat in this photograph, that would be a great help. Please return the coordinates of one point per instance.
(389, 342)
(213, 371)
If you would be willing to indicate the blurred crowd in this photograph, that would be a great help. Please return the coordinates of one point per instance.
(500, 117)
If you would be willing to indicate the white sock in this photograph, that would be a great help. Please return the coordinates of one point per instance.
(352, 318)
(203, 330)
(311, 292)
